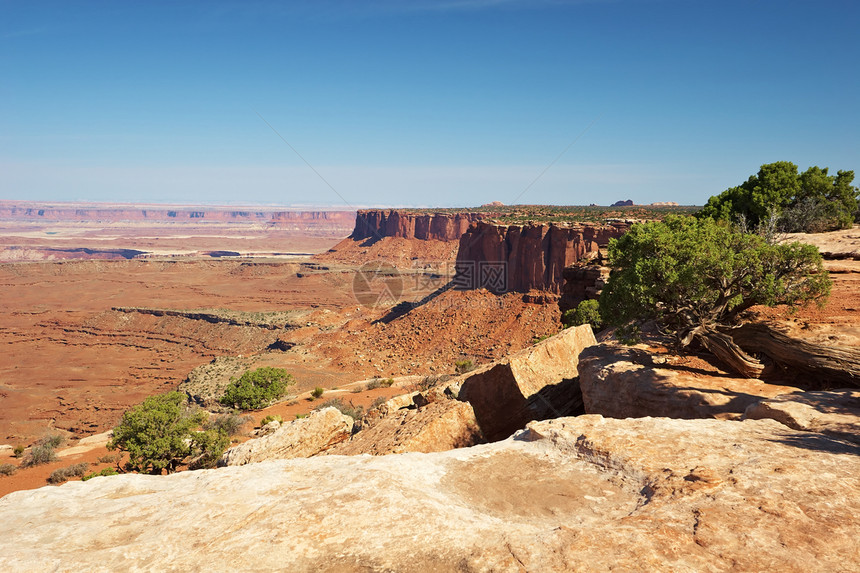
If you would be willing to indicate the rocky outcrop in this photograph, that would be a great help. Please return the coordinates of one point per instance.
(835, 413)
(436, 427)
(519, 258)
(581, 283)
(536, 383)
(631, 382)
(379, 223)
(301, 438)
(572, 494)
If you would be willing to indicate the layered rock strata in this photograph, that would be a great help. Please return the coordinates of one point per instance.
(380, 223)
(519, 258)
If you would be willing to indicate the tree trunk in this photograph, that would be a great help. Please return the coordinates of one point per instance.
(834, 365)
(724, 348)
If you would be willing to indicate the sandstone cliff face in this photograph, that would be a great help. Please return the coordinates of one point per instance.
(520, 258)
(572, 494)
(380, 223)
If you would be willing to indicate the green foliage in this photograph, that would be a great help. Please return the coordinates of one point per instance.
(812, 201)
(586, 312)
(378, 383)
(207, 447)
(18, 451)
(270, 418)
(257, 389)
(103, 473)
(686, 273)
(317, 392)
(7, 469)
(463, 366)
(379, 401)
(158, 434)
(61, 475)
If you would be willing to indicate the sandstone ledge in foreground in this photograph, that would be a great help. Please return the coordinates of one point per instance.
(586, 493)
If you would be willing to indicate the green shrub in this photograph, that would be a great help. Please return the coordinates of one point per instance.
(257, 389)
(207, 447)
(7, 469)
(158, 434)
(61, 475)
(811, 201)
(317, 392)
(300, 416)
(18, 451)
(380, 400)
(379, 383)
(694, 276)
(104, 472)
(463, 366)
(270, 418)
(586, 312)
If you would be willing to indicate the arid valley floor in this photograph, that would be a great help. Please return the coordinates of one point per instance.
(99, 312)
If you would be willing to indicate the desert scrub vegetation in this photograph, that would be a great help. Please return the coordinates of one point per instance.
(379, 383)
(230, 423)
(317, 393)
(43, 452)
(162, 432)
(346, 408)
(271, 418)
(256, 389)
(61, 475)
(18, 451)
(102, 473)
(7, 469)
(110, 458)
(463, 366)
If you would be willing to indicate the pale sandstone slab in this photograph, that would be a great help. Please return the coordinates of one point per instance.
(437, 427)
(301, 438)
(835, 412)
(573, 494)
(625, 382)
(508, 394)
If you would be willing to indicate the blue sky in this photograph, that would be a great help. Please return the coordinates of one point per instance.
(430, 102)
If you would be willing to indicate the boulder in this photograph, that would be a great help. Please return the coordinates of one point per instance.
(302, 438)
(572, 494)
(536, 383)
(632, 382)
(437, 427)
(835, 413)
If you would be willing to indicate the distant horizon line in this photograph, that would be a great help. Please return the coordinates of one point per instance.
(287, 206)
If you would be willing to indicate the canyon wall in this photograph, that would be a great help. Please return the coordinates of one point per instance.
(379, 223)
(108, 213)
(520, 258)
